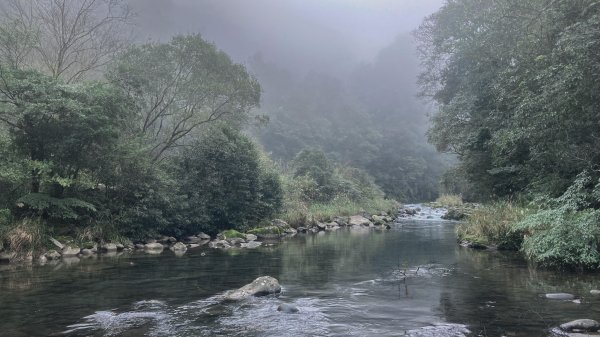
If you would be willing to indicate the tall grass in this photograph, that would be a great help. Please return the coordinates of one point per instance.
(23, 237)
(494, 225)
(450, 200)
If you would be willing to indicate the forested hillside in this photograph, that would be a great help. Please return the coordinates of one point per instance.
(517, 84)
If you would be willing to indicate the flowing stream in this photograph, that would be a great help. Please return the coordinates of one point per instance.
(413, 280)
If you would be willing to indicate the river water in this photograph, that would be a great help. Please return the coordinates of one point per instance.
(413, 280)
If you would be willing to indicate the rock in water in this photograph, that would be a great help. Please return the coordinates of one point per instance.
(581, 325)
(287, 308)
(595, 292)
(359, 220)
(264, 285)
(153, 246)
(179, 246)
(70, 251)
(560, 296)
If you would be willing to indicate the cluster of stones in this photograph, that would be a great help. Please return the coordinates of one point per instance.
(381, 221)
(578, 327)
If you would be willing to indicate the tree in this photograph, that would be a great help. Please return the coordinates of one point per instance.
(181, 86)
(66, 39)
(516, 85)
(225, 184)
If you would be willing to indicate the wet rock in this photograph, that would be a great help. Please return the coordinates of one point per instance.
(42, 259)
(139, 246)
(287, 308)
(302, 229)
(204, 236)
(179, 246)
(109, 247)
(264, 285)
(560, 296)
(579, 325)
(87, 252)
(474, 245)
(321, 226)
(219, 244)
(192, 239)
(193, 245)
(52, 255)
(251, 244)
(251, 237)
(290, 231)
(153, 246)
(359, 220)
(120, 246)
(341, 221)
(595, 292)
(235, 241)
(7, 256)
(70, 251)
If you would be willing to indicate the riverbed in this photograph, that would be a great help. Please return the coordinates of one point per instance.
(412, 280)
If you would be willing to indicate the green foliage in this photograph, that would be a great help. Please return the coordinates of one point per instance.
(224, 183)
(181, 86)
(232, 233)
(493, 225)
(518, 94)
(54, 209)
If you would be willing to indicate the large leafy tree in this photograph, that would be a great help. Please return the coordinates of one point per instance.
(182, 86)
(516, 84)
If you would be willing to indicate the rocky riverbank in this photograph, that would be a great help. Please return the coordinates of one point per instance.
(65, 249)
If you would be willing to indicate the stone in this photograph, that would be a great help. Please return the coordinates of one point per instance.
(70, 251)
(264, 285)
(203, 236)
(251, 237)
(153, 246)
(139, 246)
(109, 247)
(57, 243)
(321, 226)
(42, 259)
(6, 256)
(193, 245)
(332, 226)
(287, 308)
(235, 241)
(290, 231)
(359, 220)
(251, 244)
(341, 221)
(179, 246)
(120, 246)
(192, 239)
(560, 296)
(87, 252)
(219, 244)
(52, 255)
(302, 229)
(581, 325)
(171, 239)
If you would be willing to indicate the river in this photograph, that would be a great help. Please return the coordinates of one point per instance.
(413, 280)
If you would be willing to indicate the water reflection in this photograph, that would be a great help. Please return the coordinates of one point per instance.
(413, 280)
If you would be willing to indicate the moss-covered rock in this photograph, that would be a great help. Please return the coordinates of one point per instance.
(269, 232)
(231, 234)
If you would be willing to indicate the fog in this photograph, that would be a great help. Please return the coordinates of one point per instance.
(298, 35)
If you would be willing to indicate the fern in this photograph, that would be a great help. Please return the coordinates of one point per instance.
(61, 209)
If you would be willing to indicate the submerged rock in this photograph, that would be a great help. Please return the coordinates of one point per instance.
(581, 325)
(251, 244)
(560, 296)
(287, 308)
(264, 285)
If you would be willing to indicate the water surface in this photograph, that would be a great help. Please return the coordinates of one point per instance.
(412, 280)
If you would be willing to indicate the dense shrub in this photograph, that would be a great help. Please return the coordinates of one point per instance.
(224, 184)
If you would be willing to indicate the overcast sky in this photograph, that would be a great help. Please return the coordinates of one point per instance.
(299, 35)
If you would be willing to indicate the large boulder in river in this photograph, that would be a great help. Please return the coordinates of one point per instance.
(109, 247)
(264, 285)
(581, 325)
(359, 220)
(179, 246)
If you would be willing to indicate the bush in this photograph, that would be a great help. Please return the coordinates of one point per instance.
(225, 184)
(561, 238)
(450, 200)
(24, 237)
(493, 225)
